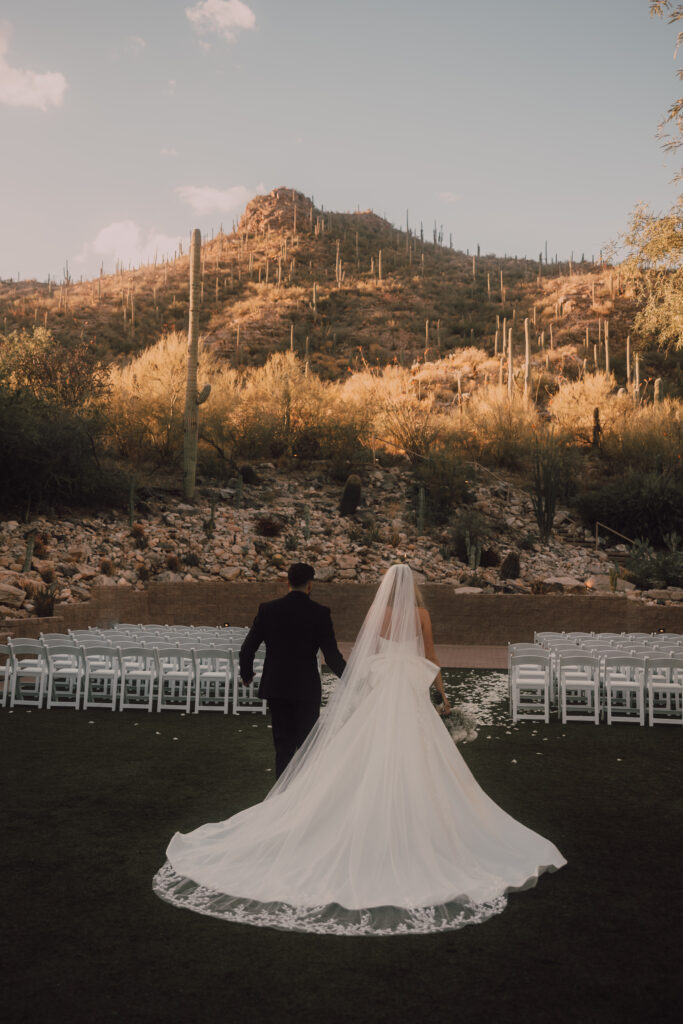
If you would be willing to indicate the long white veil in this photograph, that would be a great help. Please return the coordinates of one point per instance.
(393, 619)
(377, 826)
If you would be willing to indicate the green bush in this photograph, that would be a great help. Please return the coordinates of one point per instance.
(48, 456)
(649, 568)
(645, 506)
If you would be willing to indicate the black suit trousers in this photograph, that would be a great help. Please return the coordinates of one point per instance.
(292, 720)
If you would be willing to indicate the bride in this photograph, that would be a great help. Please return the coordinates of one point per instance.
(377, 827)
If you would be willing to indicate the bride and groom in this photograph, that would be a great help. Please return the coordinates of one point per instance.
(375, 825)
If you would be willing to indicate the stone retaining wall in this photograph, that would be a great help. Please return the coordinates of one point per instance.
(472, 619)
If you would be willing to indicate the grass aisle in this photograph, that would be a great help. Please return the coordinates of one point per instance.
(88, 809)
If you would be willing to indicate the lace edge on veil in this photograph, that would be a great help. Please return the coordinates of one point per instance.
(331, 919)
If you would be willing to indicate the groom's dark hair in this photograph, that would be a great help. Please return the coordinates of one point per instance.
(299, 574)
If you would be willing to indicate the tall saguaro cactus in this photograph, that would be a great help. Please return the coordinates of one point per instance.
(192, 400)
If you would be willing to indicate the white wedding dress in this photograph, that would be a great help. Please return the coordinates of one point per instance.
(378, 827)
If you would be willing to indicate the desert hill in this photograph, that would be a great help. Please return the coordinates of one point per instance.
(340, 289)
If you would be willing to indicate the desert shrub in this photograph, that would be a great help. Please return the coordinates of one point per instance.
(445, 484)
(140, 539)
(54, 373)
(49, 455)
(192, 559)
(498, 431)
(647, 437)
(106, 566)
(147, 402)
(469, 529)
(269, 526)
(43, 598)
(645, 506)
(572, 406)
(173, 563)
(144, 573)
(547, 483)
(649, 568)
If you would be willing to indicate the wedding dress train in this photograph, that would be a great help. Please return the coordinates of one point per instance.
(380, 829)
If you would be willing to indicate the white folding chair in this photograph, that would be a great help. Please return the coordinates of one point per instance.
(579, 687)
(65, 673)
(664, 689)
(624, 683)
(102, 672)
(245, 696)
(175, 674)
(213, 669)
(5, 666)
(529, 683)
(28, 672)
(138, 677)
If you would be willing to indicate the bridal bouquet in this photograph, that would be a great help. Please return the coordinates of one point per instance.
(461, 725)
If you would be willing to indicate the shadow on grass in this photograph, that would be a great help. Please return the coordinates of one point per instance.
(89, 808)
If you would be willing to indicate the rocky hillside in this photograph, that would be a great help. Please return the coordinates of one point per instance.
(253, 531)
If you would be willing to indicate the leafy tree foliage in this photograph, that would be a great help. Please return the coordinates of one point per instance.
(68, 377)
(655, 257)
(674, 116)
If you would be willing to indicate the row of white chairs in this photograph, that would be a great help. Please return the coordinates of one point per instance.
(90, 674)
(585, 676)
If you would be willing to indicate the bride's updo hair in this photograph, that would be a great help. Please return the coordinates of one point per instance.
(419, 599)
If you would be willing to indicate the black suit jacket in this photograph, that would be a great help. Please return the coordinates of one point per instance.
(293, 629)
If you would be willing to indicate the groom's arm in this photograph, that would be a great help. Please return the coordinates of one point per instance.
(252, 642)
(328, 645)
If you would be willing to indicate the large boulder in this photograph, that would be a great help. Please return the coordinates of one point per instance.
(11, 597)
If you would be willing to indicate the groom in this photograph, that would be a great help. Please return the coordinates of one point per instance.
(293, 629)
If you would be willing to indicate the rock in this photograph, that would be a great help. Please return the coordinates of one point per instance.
(230, 572)
(558, 585)
(347, 561)
(602, 583)
(325, 573)
(469, 590)
(10, 596)
(664, 594)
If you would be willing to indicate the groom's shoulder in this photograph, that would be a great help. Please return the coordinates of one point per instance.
(321, 609)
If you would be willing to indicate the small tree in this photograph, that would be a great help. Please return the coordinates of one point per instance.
(547, 484)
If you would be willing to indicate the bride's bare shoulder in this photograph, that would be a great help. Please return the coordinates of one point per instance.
(425, 620)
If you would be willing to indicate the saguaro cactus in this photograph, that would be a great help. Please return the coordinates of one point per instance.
(192, 399)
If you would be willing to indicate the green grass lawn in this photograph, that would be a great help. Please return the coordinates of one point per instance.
(89, 808)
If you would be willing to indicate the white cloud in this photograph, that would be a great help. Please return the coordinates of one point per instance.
(226, 17)
(205, 199)
(22, 88)
(170, 88)
(126, 241)
(449, 197)
(168, 151)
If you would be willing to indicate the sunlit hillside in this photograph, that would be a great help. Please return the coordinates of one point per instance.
(341, 289)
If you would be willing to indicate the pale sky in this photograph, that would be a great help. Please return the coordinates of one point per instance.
(126, 123)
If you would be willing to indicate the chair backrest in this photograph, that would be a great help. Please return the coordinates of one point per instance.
(174, 654)
(580, 659)
(129, 652)
(624, 661)
(26, 645)
(532, 658)
(99, 652)
(61, 651)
